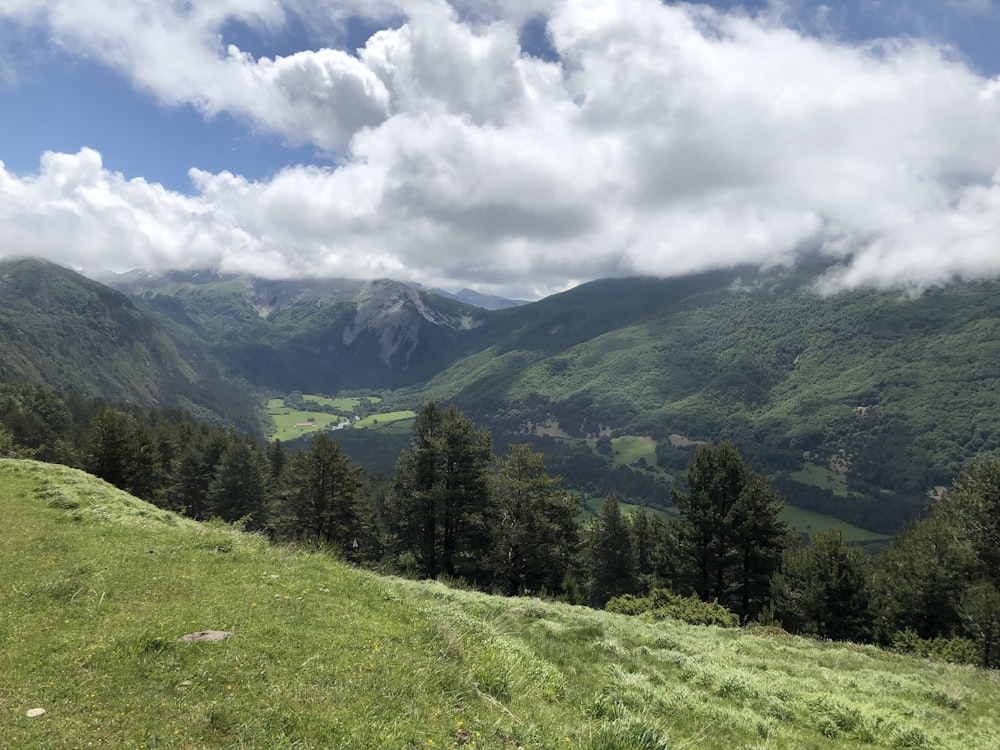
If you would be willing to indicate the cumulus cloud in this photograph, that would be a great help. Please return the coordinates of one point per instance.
(661, 140)
(77, 212)
(175, 51)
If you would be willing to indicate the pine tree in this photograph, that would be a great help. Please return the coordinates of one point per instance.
(972, 510)
(759, 538)
(937, 577)
(192, 472)
(534, 523)
(916, 581)
(440, 495)
(320, 495)
(276, 458)
(121, 451)
(729, 536)
(611, 564)
(654, 549)
(238, 488)
(822, 589)
(980, 611)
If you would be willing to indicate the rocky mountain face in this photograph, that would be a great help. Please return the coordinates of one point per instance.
(310, 333)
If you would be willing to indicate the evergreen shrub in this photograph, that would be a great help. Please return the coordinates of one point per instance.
(662, 604)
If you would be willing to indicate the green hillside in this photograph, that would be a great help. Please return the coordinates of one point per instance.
(898, 392)
(99, 587)
(73, 334)
(858, 404)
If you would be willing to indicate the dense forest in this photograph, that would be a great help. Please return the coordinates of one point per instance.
(455, 510)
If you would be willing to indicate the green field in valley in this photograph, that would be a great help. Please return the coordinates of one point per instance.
(290, 424)
(99, 589)
(628, 449)
(822, 477)
(807, 522)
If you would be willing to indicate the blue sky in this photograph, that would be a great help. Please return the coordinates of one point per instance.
(516, 146)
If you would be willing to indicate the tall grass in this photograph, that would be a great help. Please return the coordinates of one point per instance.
(97, 587)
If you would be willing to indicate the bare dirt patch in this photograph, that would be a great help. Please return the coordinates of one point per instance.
(550, 428)
(682, 441)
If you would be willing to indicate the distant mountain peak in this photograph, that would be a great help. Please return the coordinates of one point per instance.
(478, 299)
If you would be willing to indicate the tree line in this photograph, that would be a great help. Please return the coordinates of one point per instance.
(454, 510)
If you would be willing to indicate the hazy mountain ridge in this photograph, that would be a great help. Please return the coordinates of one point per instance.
(478, 299)
(311, 333)
(780, 370)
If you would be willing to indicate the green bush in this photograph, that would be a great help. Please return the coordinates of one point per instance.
(662, 604)
(955, 650)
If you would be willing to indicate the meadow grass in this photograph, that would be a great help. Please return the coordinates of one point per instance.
(285, 419)
(402, 427)
(592, 506)
(628, 449)
(806, 521)
(98, 587)
(822, 477)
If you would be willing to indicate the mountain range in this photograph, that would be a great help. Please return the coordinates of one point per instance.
(859, 398)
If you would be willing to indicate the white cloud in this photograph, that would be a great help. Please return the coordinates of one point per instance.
(175, 51)
(668, 139)
(80, 214)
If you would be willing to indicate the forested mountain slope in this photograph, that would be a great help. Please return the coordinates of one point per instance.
(895, 391)
(78, 336)
(864, 397)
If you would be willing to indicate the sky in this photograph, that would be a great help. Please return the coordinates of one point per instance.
(518, 147)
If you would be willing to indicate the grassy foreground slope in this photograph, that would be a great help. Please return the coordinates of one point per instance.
(97, 587)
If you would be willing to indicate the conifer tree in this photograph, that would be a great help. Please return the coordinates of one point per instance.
(611, 564)
(276, 458)
(534, 524)
(192, 472)
(939, 578)
(980, 611)
(654, 549)
(238, 488)
(972, 510)
(121, 451)
(730, 538)
(320, 497)
(440, 495)
(822, 589)
(916, 581)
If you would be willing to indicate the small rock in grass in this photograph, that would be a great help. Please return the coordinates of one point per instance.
(207, 635)
(33, 712)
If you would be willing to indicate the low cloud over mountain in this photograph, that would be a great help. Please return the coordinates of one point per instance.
(636, 138)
